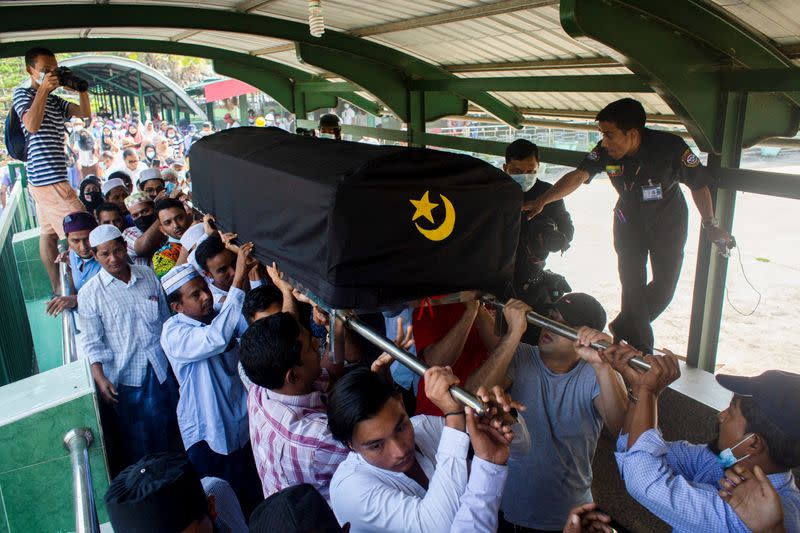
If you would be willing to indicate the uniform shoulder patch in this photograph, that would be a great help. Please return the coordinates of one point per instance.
(689, 159)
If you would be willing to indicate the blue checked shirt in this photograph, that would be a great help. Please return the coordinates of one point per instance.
(121, 325)
(678, 482)
(205, 358)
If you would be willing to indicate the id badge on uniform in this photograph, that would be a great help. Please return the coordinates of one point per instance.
(652, 193)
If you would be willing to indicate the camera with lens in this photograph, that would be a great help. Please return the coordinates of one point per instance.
(546, 230)
(67, 78)
(541, 289)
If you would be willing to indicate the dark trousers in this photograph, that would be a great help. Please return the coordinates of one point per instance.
(238, 468)
(143, 422)
(504, 526)
(663, 241)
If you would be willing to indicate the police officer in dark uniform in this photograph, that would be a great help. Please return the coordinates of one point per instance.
(645, 167)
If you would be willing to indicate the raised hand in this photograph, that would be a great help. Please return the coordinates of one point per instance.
(489, 442)
(583, 345)
(438, 381)
(753, 499)
(587, 519)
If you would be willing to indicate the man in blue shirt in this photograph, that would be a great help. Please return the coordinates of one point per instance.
(82, 264)
(201, 343)
(679, 481)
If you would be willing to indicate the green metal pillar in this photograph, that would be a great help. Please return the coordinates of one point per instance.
(177, 113)
(416, 120)
(113, 104)
(210, 111)
(142, 108)
(299, 104)
(243, 107)
(712, 268)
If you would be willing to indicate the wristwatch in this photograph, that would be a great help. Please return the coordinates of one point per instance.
(710, 222)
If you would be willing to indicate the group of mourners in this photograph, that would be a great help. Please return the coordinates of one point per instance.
(224, 410)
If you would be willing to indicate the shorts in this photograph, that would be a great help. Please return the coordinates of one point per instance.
(53, 203)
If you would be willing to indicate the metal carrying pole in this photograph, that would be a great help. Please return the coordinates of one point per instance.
(565, 331)
(405, 358)
(69, 351)
(77, 441)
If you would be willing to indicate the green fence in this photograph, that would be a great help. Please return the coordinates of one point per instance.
(17, 359)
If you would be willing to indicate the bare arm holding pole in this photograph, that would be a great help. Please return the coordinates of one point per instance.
(565, 331)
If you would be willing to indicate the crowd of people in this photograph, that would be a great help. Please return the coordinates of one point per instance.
(223, 409)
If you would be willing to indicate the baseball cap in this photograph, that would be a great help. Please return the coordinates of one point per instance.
(580, 309)
(775, 392)
(296, 509)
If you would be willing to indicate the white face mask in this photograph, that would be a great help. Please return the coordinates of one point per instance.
(40, 79)
(327, 136)
(525, 181)
(726, 459)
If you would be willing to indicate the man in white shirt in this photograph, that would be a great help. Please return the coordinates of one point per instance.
(201, 343)
(410, 475)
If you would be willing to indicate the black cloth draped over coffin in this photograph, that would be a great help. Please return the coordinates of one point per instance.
(337, 216)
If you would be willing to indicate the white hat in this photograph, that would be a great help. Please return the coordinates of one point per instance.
(177, 277)
(192, 236)
(113, 183)
(103, 233)
(148, 174)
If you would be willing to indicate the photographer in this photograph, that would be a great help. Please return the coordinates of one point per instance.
(549, 231)
(42, 116)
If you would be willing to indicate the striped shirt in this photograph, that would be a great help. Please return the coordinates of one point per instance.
(47, 161)
(291, 440)
(121, 325)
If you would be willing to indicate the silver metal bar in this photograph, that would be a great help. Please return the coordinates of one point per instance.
(69, 351)
(332, 338)
(405, 358)
(78, 441)
(565, 331)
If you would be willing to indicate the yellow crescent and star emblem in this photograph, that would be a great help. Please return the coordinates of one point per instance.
(424, 208)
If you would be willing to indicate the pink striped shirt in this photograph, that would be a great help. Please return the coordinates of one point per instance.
(291, 440)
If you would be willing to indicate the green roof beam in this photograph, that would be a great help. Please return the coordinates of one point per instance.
(609, 83)
(242, 64)
(28, 18)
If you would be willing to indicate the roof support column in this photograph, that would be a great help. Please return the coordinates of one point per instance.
(177, 109)
(416, 122)
(142, 109)
(300, 112)
(712, 268)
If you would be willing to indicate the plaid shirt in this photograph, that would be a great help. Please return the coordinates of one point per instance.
(678, 482)
(291, 440)
(121, 325)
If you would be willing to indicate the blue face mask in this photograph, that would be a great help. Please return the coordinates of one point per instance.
(726, 459)
(525, 181)
(170, 187)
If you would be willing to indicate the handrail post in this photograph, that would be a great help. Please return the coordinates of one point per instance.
(78, 441)
(69, 352)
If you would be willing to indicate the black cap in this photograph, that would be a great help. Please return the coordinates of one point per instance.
(580, 309)
(775, 392)
(160, 493)
(298, 509)
(329, 120)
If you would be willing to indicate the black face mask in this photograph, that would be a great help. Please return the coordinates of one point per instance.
(144, 222)
(94, 201)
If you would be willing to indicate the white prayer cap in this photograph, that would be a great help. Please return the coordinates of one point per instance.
(192, 236)
(179, 276)
(103, 233)
(148, 174)
(110, 184)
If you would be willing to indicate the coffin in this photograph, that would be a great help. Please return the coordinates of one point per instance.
(361, 226)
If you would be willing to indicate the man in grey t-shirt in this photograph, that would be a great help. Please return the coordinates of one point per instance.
(569, 393)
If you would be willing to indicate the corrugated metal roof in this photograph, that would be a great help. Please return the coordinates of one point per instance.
(779, 20)
(513, 33)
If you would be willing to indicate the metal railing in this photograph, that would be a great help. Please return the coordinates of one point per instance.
(69, 329)
(17, 359)
(78, 441)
